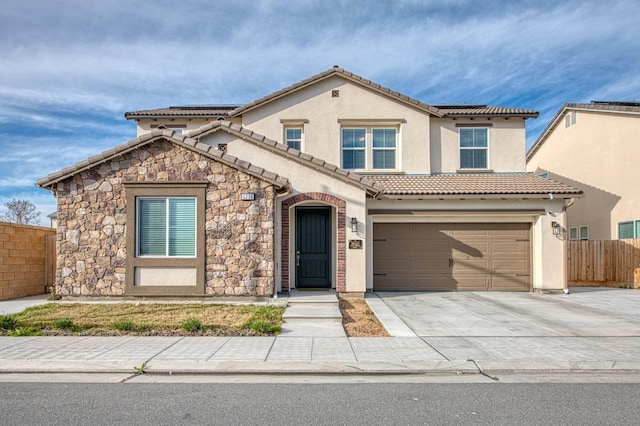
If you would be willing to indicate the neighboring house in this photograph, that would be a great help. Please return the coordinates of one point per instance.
(595, 147)
(333, 182)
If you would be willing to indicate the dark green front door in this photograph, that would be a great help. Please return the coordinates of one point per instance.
(313, 247)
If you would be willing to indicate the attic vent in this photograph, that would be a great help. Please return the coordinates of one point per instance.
(222, 147)
(335, 93)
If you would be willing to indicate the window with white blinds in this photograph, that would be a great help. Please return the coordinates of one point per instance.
(166, 226)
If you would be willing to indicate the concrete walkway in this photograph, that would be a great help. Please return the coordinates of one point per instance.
(406, 353)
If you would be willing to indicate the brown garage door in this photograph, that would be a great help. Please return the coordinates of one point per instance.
(467, 256)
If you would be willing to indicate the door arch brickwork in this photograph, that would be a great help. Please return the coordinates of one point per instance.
(341, 245)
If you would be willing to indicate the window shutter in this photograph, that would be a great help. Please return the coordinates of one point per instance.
(151, 227)
(182, 227)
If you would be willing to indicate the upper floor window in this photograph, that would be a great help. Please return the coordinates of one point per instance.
(293, 137)
(369, 146)
(354, 145)
(474, 148)
(629, 229)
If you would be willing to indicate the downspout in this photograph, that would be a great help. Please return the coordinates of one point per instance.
(565, 249)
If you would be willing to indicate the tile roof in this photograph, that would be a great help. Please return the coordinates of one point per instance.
(484, 111)
(605, 106)
(507, 185)
(285, 150)
(173, 137)
(336, 70)
(184, 111)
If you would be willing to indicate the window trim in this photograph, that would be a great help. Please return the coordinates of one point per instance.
(460, 148)
(580, 236)
(573, 233)
(136, 190)
(368, 144)
(287, 139)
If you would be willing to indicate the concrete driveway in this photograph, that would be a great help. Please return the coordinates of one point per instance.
(585, 312)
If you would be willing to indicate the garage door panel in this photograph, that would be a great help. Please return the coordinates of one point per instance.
(452, 256)
(510, 265)
(414, 282)
(509, 283)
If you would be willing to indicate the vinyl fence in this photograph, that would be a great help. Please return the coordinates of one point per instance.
(609, 263)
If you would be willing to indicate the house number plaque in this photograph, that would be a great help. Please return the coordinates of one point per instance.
(355, 244)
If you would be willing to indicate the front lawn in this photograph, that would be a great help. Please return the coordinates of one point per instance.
(143, 319)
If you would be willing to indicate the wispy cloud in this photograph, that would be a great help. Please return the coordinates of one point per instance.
(71, 69)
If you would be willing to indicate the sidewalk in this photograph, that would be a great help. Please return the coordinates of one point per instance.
(405, 353)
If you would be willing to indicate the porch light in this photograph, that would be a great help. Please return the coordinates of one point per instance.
(557, 228)
(354, 224)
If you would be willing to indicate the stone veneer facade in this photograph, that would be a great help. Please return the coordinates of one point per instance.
(92, 222)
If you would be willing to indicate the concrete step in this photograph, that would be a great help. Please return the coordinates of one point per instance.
(313, 313)
(312, 297)
(312, 329)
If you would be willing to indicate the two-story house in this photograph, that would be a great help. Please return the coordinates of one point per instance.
(333, 182)
(591, 146)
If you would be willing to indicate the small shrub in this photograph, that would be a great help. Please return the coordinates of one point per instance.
(191, 325)
(368, 311)
(123, 325)
(24, 331)
(262, 326)
(8, 322)
(63, 324)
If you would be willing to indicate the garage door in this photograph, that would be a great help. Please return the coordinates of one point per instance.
(468, 256)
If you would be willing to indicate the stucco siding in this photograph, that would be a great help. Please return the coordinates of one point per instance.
(506, 144)
(361, 106)
(598, 154)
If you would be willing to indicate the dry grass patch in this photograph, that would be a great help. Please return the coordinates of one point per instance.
(159, 319)
(359, 320)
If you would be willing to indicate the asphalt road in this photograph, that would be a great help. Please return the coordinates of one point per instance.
(318, 404)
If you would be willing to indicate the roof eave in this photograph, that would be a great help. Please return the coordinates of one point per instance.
(491, 196)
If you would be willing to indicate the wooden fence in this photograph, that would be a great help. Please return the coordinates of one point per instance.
(604, 263)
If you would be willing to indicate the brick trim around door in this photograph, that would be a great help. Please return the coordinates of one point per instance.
(341, 246)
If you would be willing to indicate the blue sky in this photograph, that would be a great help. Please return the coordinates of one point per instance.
(71, 69)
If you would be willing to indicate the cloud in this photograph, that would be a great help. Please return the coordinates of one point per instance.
(73, 68)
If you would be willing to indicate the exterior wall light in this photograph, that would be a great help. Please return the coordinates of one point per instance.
(557, 228)
(354, 224)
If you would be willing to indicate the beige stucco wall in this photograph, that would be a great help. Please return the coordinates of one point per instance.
(507, 142)
(548, 260)
(305, 179)
(598, 154)
(322, 134)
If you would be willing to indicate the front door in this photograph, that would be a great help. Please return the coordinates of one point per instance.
(313, 247)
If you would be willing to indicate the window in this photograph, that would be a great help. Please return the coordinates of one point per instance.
(369, 146)
(573, 233)
(293, 137)
(629, 229)
(384, 148)
(584, 232)
(166, 227)
(570, 119)
(354, 148)
(474, 148)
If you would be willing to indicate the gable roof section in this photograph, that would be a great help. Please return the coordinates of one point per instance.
(206, 111)
(284, 150)
(475, 185)
(603, 106)
(455, 111)
(154, 135)
(337, 71)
